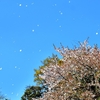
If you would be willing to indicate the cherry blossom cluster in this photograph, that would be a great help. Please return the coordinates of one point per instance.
(77, 78)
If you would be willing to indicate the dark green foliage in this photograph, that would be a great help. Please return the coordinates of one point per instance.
(88, 78)
(32, 92)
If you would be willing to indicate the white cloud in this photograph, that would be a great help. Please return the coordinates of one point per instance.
(0, 68)
(20, 5)
(26, 5)
(20, 50)
(55, 5)
(97, 33)
(60, 12)
(32, 30)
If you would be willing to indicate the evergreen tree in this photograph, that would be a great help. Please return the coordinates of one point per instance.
(32, 92)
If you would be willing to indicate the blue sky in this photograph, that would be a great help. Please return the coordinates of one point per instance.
(28, 30)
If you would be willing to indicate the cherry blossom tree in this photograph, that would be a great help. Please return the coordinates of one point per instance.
(76, 76)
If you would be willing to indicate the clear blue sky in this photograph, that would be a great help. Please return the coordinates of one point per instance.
(28, 30)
